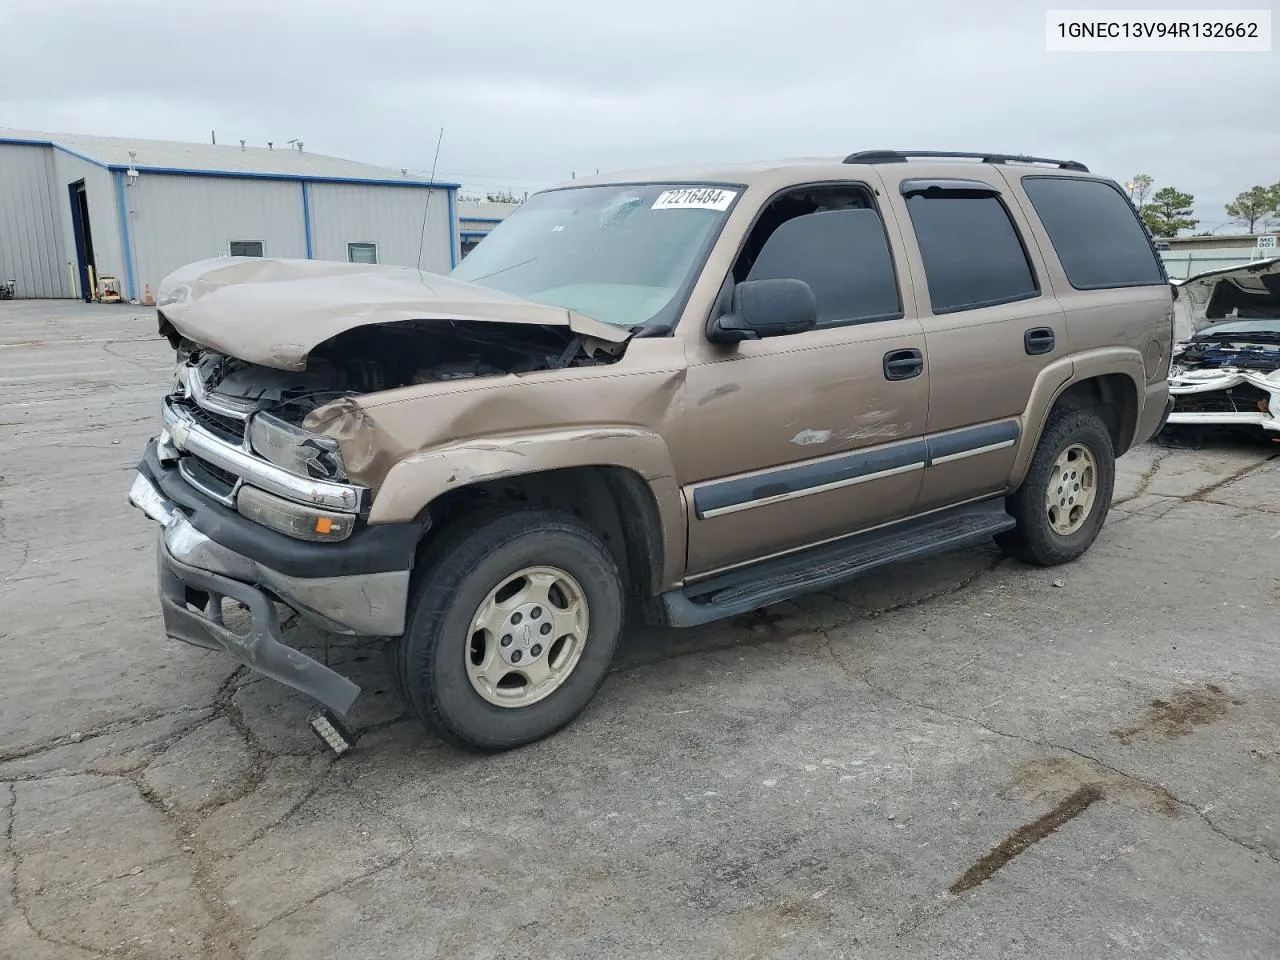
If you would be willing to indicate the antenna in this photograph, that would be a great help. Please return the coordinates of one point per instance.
(422, 239)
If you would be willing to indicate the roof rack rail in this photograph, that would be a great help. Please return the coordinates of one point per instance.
(901, 156)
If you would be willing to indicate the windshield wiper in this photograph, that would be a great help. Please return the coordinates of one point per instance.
(642, 330)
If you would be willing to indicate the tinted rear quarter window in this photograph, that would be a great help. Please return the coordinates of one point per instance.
(973, 256)
(1095, 232)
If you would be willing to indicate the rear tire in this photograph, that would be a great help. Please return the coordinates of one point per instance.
(512, 628)
(1074, 462)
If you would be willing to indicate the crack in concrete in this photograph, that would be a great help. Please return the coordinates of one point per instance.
(334, 888)
(12, 885)
(107, 729)
(361, 796)
(1200, 494)
(26, 553)
(147, 365)
(225, 940)
(1046, 745)
(1146, 477)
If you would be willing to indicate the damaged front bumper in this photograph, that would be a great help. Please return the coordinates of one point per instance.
(1225, 398)
(207, 553)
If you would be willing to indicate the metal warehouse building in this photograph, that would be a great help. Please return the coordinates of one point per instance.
(136, 209)
(476, 218)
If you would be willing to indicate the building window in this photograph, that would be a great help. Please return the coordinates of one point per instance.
(244, 248)
(362, 253)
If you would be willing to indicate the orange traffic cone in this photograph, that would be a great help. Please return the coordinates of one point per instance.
(147, 298)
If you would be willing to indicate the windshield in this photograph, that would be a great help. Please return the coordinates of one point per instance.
(624, 255)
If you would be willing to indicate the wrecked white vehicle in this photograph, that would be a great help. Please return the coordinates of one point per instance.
(1226, 365)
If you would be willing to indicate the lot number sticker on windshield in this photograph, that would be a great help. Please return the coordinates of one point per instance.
(694, 198)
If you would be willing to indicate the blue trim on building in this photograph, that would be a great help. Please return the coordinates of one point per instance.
(481, 219)
(295, 177)
(306, 217)
(453, 229)
(122, 211)
(56, 146)
(233, 174)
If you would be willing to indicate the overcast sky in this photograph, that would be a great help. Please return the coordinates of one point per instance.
(529, 92)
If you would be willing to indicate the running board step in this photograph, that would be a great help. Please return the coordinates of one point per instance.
(740, 591)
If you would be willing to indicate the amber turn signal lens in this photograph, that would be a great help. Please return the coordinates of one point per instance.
(293, 519)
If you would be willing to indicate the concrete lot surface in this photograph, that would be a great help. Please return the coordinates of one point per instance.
(960, 758)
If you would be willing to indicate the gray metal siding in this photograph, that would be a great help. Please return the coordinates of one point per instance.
(176, 220)
(30, 237)
(391, 217)
(104, 224)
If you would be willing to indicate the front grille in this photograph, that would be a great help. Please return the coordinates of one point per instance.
(204, 476)
(1242, 398)
(225, 428)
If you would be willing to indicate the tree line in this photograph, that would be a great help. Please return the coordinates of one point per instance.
(1168, 211)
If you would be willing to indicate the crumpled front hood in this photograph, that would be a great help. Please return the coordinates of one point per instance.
(274, 312)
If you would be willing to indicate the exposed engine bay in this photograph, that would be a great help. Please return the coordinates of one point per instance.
(386, 356)
(1226, 370)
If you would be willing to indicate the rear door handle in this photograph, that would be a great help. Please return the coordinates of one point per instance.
(1039, 340)
(903, 364)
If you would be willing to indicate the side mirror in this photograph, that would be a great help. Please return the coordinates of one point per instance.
(766, 308)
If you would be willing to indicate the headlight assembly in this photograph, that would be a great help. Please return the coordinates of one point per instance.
(296, 450)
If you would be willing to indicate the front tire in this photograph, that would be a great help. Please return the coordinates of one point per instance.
(1062, 503)
(512, 629)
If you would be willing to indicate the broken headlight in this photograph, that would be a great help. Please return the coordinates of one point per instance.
(296, 450)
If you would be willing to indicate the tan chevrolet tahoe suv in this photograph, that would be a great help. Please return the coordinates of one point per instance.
(679, 395)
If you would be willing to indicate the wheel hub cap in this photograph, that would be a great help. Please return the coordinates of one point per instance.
(1073, 486)
(527, 636)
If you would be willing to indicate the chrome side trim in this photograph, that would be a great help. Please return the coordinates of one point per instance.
(190, 436)
(806, 491)
(972, 453)
(730, 567)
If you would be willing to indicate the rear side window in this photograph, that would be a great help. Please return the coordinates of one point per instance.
(1095, 231)
(844, 257)
(973, 256)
